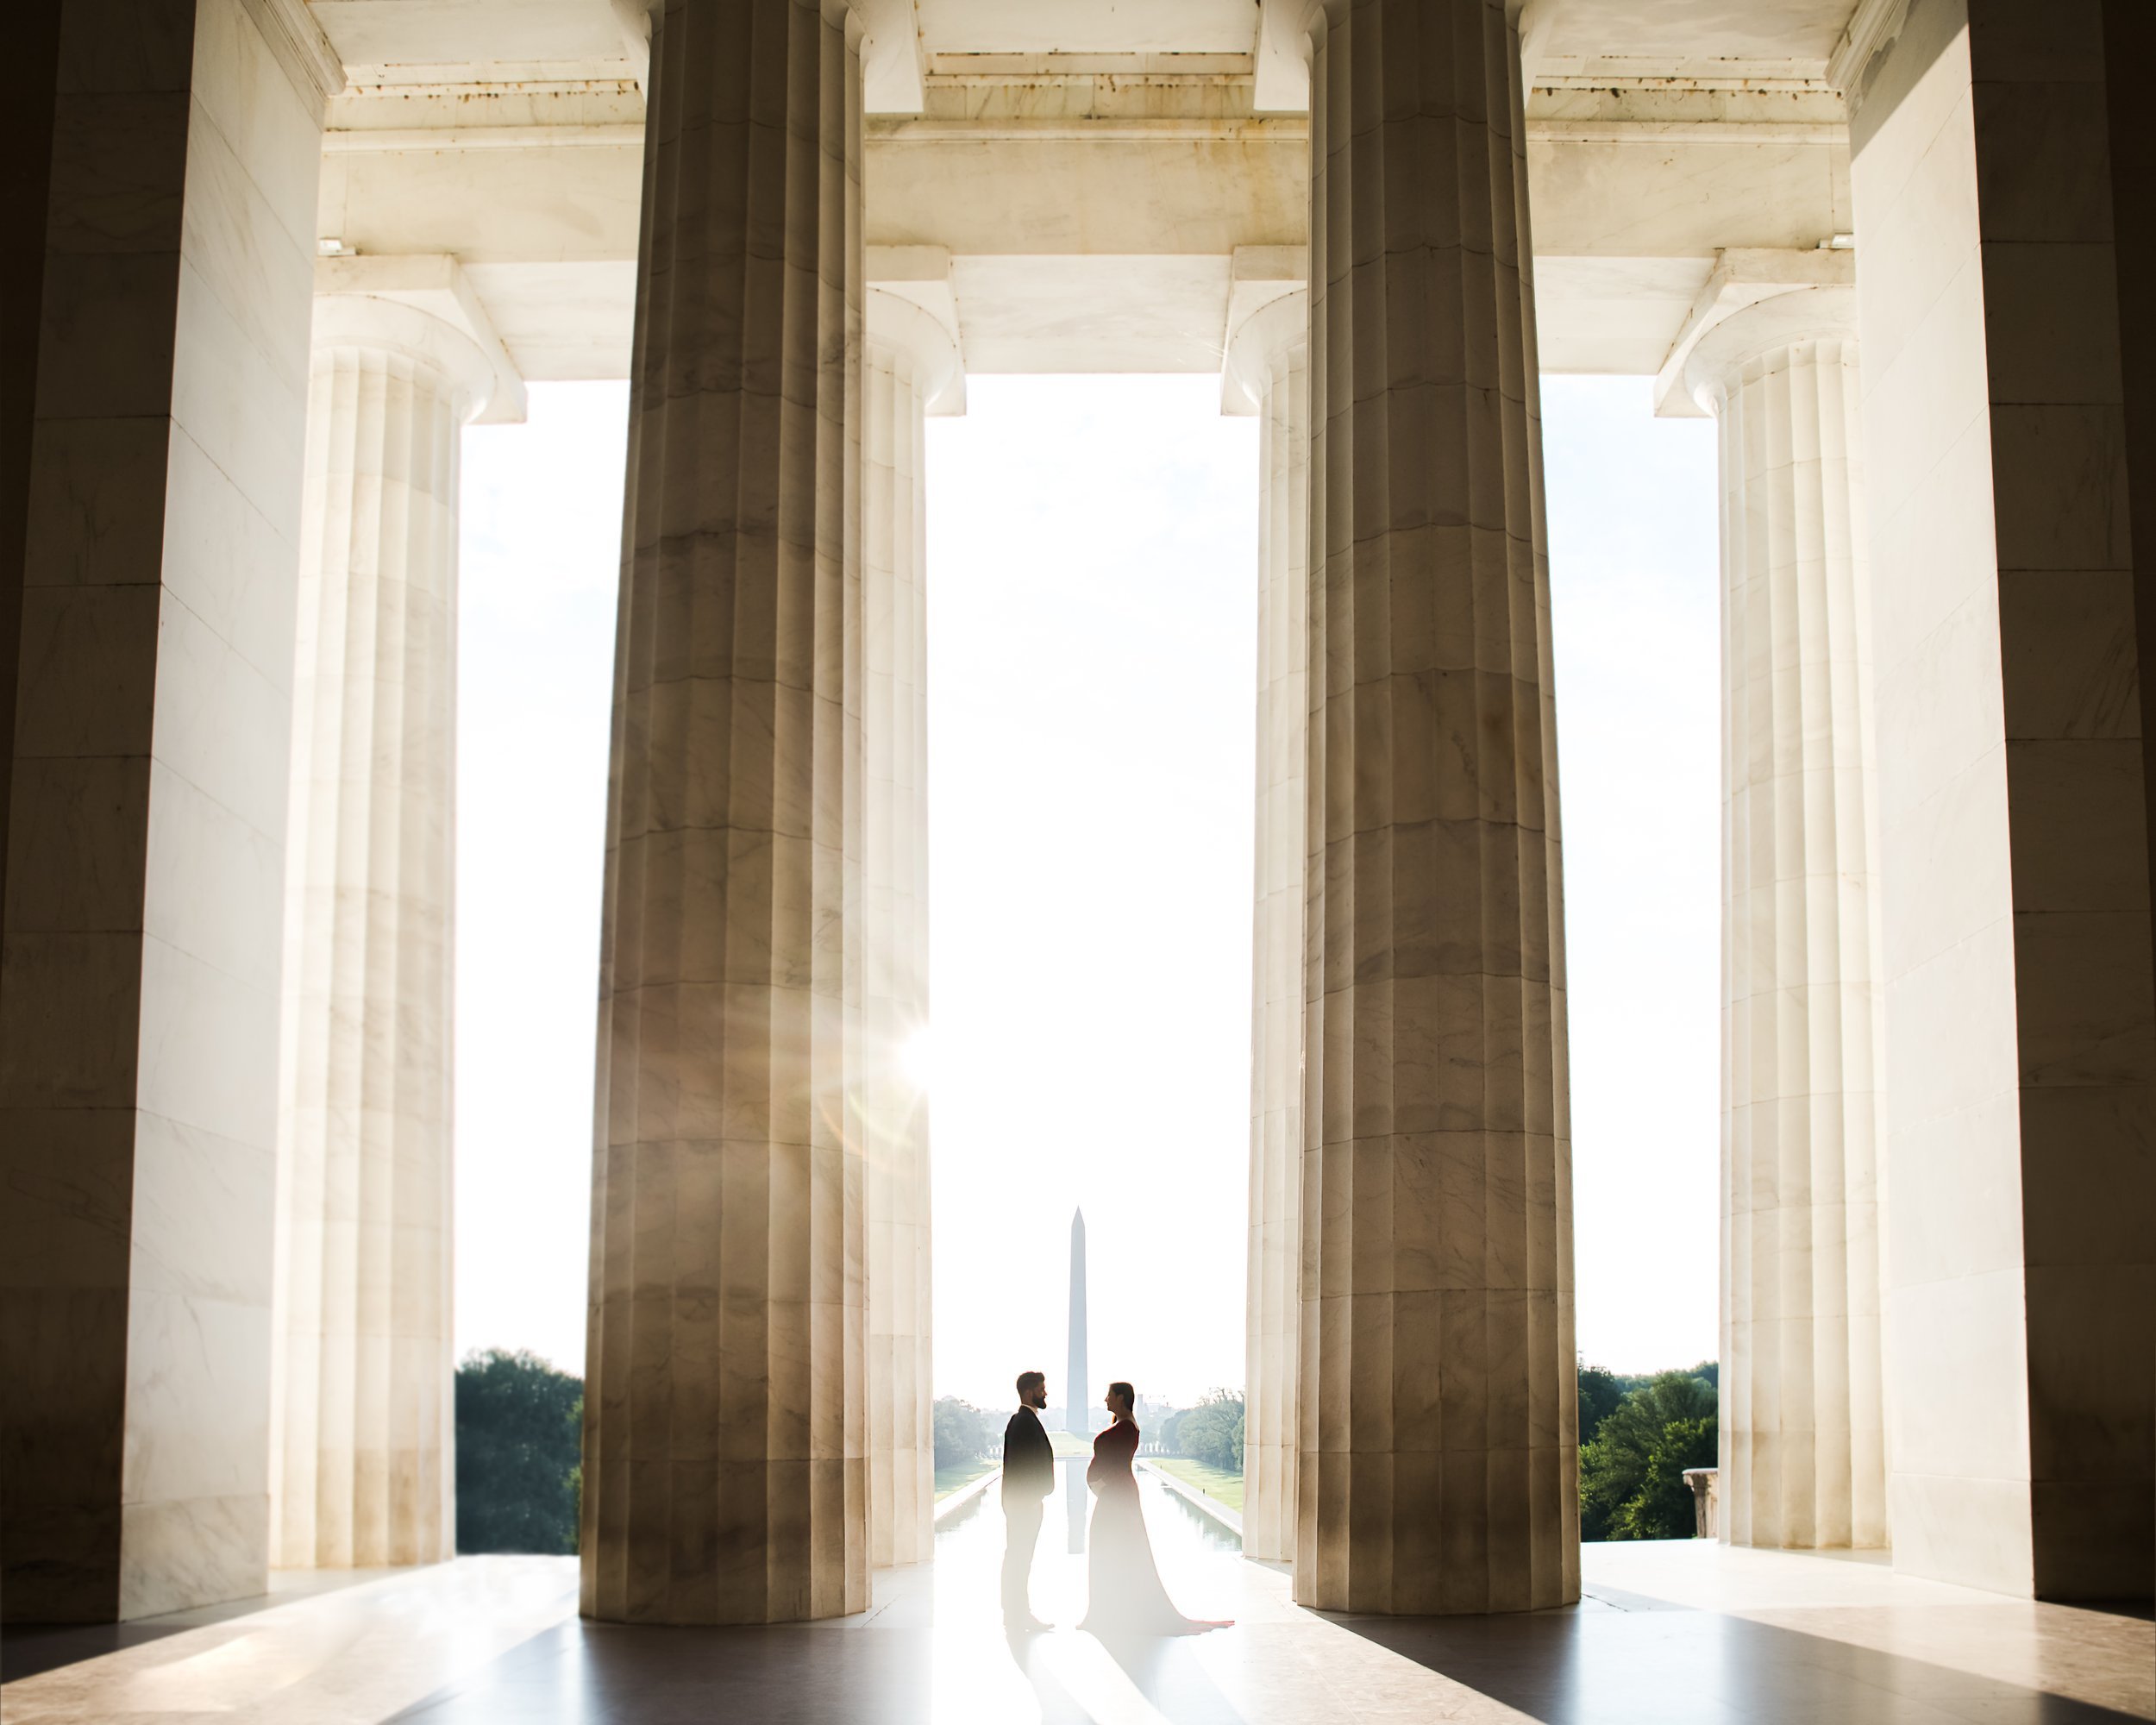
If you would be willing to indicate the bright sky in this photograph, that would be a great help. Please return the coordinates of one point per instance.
(538, 562)
(1093, 554)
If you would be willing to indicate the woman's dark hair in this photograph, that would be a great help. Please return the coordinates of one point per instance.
(1129, 1394)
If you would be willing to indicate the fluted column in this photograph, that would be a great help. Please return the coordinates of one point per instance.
(911, 363)
(362, 1469)
(1437, 1378)
(726, 1471)
(1269, 357)
(1802, 1432)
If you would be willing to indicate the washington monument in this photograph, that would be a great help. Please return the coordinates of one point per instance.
(1077, 1397)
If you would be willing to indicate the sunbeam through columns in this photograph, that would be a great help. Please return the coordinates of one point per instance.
(725, 1470)
(1438, 1441)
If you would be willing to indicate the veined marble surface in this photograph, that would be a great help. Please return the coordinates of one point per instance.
(344, 1656)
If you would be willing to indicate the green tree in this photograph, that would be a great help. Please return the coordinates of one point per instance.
(1599, 1393)
(519, 1448)
(961, 1432)
(1631, 1469)
(1663, 1506)
(1210, 1432)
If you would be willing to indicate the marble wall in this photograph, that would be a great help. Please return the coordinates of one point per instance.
(1438, 1414)
(2020, 1015)
(1268, 365)
(139, 977)
(726, 1471)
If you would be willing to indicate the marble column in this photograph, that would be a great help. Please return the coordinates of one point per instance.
(154, 440)
(363, 1421)
(912, 362)
(1268, 365)
(1437, 1440)
(1803, 1460)
(725, 1453)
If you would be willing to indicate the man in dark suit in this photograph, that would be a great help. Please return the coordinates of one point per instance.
(1029, 1475)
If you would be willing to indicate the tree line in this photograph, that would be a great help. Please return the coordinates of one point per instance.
(519, 1429)
(963, 1433)
(1210, 1432)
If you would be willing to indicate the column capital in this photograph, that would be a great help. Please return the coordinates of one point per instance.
(1287, 33)
(1744, 277)
(424, 309)
(848, 15)
(891, 58)
(918, 277)
(1804, 314)
(1264, 336)
(897, 324)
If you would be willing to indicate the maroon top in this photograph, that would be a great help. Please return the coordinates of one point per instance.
(1110, 1470)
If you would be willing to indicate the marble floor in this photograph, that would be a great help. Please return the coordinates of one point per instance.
(1667, 1635)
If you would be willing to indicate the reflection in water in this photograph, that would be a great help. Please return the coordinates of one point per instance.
(966, 1511)
(1076, 1501)
(1067, 1677)
(1210, 1534)
(1198, 1557)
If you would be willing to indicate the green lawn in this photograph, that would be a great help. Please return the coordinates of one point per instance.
(1216, 1483)
(1070, 1444)
(949, 1479)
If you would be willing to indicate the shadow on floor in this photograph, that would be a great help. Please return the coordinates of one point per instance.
(1647, 1662)
(580, 1673)
(1619, 1660)
(32, 1649)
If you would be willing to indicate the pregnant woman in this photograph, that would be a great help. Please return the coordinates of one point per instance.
(1125, 1595)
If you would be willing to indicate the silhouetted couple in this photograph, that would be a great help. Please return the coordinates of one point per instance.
(1123, 1592)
